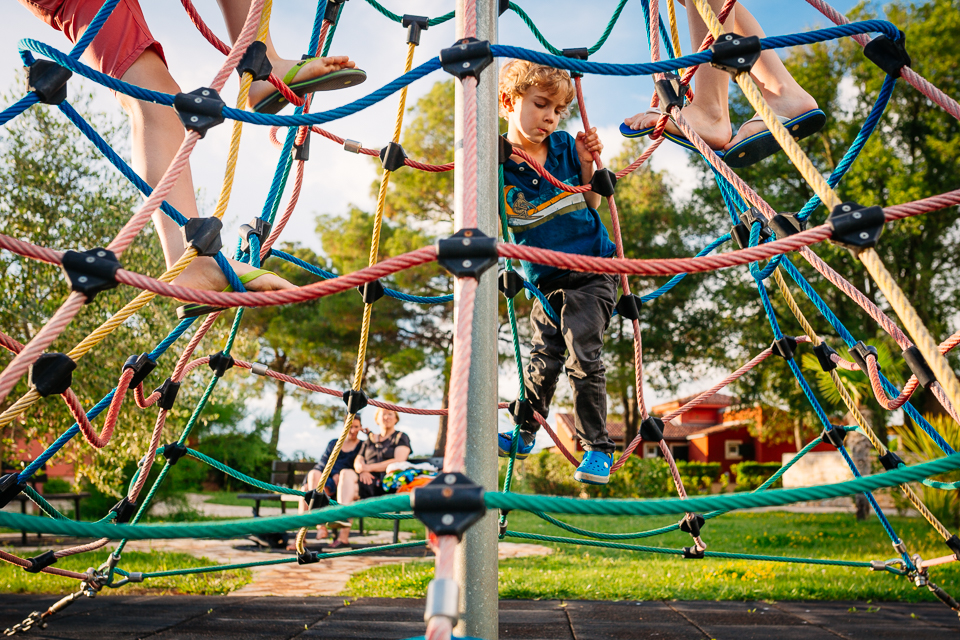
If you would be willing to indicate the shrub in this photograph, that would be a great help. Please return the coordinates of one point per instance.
(698, 477)
(750, 475)
(549, 473)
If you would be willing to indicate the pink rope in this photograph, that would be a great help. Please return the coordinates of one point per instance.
(20, 562)
(460, 377)
(445, 548)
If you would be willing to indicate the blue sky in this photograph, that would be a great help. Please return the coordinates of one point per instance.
(334, 178)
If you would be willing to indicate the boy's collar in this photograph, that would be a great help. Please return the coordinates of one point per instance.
(554, 145)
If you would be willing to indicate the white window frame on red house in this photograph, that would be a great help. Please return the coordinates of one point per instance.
(727, 454)
(650, 449)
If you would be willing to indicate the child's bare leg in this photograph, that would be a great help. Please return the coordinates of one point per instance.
(348, 490)
(312, 482)
(156, 134)
(235, 14)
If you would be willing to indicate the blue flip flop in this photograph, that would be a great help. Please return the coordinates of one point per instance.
(762, 145)
(627, 132)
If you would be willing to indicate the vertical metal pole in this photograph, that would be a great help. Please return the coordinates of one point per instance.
(476, 561)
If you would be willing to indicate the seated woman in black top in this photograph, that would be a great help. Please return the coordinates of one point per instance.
(378, 452)
(348, 453)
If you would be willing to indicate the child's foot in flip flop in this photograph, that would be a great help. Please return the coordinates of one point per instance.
(713, 128)
(789, 106)
(303, 76)
(205, 274)
(754, 141)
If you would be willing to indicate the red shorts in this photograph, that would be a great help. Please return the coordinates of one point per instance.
(120, 41)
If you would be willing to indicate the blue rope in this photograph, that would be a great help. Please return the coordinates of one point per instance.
(59, 443)
(106, 10)
(675, 280)
(18, 107)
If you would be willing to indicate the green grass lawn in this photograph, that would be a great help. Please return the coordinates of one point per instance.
(581, 572)
(16, 580)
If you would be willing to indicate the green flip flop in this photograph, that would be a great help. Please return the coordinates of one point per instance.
(327, 82)
(194, 310)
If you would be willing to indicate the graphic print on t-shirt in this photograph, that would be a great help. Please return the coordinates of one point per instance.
(523, 214)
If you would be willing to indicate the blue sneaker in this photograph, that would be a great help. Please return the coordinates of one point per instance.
(505, 442)
(595, 468)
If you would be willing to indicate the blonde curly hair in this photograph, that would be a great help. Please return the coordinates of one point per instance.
(517, 76)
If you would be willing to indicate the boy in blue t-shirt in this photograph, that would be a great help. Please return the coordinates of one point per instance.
(533, 98)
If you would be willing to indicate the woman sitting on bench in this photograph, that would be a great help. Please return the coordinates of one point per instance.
(378, 452)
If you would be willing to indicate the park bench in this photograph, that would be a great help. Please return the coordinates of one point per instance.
(49, 497)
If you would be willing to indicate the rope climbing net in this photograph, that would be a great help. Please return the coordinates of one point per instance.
(450, 504)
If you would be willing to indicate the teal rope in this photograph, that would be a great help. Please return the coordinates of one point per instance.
(559, 52)
(45, 506)
(396, 18)
(233, 473)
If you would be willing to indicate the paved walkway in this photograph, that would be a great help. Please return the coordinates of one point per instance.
(207, 617)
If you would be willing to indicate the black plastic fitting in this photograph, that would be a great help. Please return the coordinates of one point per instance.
(255, 61)
(142, 366)
(834, 436)
(604, 182)
(48, 80)
(467, 57)
(651, 429)
(371, 291)
(856, 227)
(890, 55)
(308, 557)
(785, 347)
(301, 150)
(392, 156)
(669, 91)
(258, 227)
(449, 504)
(168, 393)
(199, 110)
(415, 26)
(467, 253)
(503, 6)
(859, 353)
(954, 543)
(504, 150)
(203, 234)
(522, 412)
(10, 488)
(510, 283)
(823, 351)
(332, 11)
(785, 225)
(355, 400)
(221, 362)
(90, 272)
(628, 306)
(692, 523)
(124, 510)
(890, 460)
(735, 54)
(173, 452)
(51, 374)
(41, 562)
(693, 553)
(577, 53)
(741, 231)
(918, 365)
(316, 498)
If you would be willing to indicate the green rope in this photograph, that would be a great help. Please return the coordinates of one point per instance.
(45, 506)
(389, 14)
(233, 473)
(946, 486)
(559, 52)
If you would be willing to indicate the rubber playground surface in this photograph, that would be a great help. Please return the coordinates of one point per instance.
(189, 617)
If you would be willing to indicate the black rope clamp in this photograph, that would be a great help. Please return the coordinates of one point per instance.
(604, 182)
(221, 362)
(301, 150)
(168, 393)
(522, 412)
(90, 272)
(735, 54)
(449, 504)
(823, 351)
(834, 436)
(41, 562)
(255, 61)
(692, 523)
(199, 110)
(316, 498)
(785, 347)
(355, 399)
(10, 488)
(467, 57)
(628, 306)
(670, 92)
(142, 366)
(124, 510)
(502, 7)
(918, 365)
(504, 150)
(173, 452)
(890, 460)
(954, 543)
(415, 26)
(51, 374)
(856, 227)
(693, 553)
(257, 227)
(785, 225)
(651, 429)
(510, 283)
(371, 291)
(332, 12)
(392, 156)
(741, 232)
(859, 354)
(890, 55)
(48, 80)
(467, 253)
(308, 557)
(203, 234)
(577, 53)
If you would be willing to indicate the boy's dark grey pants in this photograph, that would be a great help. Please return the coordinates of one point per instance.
(584, 302)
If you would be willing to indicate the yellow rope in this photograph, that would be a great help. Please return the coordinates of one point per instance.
(367, 308)
(674, 32)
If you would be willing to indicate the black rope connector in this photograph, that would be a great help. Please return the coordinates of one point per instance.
(301, 150)
(10, 488)
(604, 182)
(693, 553)
(203, 234)
(510, 283)
(199, 110)
(332, 11)
(823, 351)
(124, 510)
(522, 412)
(221, 362)
(504, 150)
(316, 498)
(890, 460)
(257, 227)
(628, 306)
(91, 272)
(890, 55)
(415, 26)
(467, 57)
(168, 393)
(51, 374)
(41, 562)
(741, 232)
(142, 366)
(392, 156)
(449, 504)
(467, 253)
(503, 6)
(308, 557)
(173, 452)
(577, 53)
(856, 227)
(954, 543)
(859, 354)
(371, 291)
(355, 399)
(651, 429)
(669, 91)
(255, 61)
(48, 80)
(785, 225)
(785, 347)
(735, 54)
(834, 436)
(692, 523)
(918, 365)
